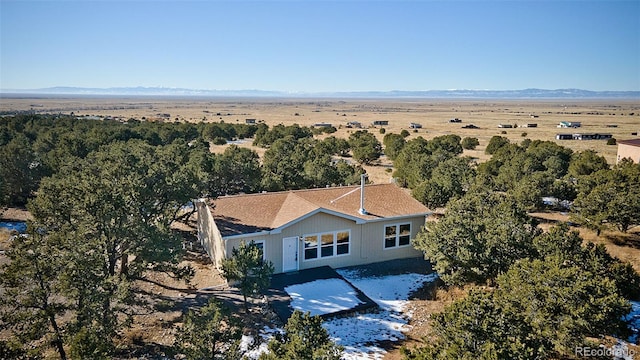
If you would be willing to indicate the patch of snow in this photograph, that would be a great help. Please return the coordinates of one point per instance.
(321, 297)
(251, 348)
(620, 351)
(359, 334)
(389, 292)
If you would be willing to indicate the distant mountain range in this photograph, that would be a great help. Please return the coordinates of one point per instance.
(437, 94)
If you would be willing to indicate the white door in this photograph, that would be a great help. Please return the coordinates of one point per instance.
(290, 254)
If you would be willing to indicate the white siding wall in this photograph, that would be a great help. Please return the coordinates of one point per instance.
(366, 241)
(209, 235)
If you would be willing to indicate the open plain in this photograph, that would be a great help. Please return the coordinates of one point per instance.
(618, 117)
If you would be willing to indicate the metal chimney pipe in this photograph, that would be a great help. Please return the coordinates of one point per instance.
(362, 211)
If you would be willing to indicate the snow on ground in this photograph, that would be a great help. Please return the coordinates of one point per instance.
(321, 297)
(361, 333)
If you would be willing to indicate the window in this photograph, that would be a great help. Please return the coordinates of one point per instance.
(397, 235)
(310, 246)
(324, 245)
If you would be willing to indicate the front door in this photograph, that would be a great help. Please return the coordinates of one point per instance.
(290, 254)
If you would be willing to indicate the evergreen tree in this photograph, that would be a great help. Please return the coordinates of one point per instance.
(365, 147)
(247, 267)
(33, 301)
(304, 338)
(210, 332)
(479, 237)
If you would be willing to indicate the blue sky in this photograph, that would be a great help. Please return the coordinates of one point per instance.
(316, 46)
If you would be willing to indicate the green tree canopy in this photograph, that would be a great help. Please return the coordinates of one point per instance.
(450, 178)
(20, 170)
(470, 143)
(247, 267)
(495, 143)
(414, 163)
(479, 237)
(304, 338)
(586, 163)
(610, 198)
(210, 332)
(365, 147)
(393, 143)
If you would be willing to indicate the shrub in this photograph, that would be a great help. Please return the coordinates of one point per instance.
(612, 141)
(382, 131)
(470, 143)
(219, 141)
(404, 133)
(524, 134)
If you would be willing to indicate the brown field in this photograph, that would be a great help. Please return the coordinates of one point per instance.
(432, 114)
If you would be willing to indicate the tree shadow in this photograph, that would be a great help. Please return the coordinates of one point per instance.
(631, 240)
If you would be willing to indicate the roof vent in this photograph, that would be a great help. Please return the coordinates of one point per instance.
(363, 179)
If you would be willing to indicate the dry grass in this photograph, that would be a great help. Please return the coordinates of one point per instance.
(595, 115)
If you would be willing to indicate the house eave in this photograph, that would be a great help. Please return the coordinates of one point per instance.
(357, 220)
(399, 217)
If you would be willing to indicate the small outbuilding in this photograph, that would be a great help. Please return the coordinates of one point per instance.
(380, 122)
(415, 126)
(569, 124)
(564, 136)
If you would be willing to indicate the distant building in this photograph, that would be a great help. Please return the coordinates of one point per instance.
(380, 122)
(569, 124)
(354, 124)
(505, 126)
(564, 137)
(455, 120)
(534, 116)
(249, 121)
(415, 126)
(531, 125)
(629, 149)
(322, 125)
(592, 136)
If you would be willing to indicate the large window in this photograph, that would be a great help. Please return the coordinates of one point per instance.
(324, 245)
(397, 235)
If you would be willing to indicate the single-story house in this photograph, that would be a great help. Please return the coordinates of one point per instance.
(354, 124)
(302, 229)
(530, 125)
(455, 120)
(380, 122)
(505, 126)
(250, 121)
(629, 149)
(415, 125)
